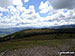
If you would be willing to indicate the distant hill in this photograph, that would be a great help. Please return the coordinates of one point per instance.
(8, 31)
(65, 26)
(40, 33)
(61, 38)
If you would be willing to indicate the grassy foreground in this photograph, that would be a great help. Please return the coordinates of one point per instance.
(63, 45)
(65, 41)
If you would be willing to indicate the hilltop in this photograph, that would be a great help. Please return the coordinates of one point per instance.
(49, 33)
(37, 40)
(11, 30)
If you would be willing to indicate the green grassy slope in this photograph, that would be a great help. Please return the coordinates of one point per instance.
(34, 37)
(42, 34)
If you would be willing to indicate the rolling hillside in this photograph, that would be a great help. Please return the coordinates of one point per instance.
(45, 40)
(8, 31)
(49, 33)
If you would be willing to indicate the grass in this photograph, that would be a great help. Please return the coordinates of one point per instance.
(22, 43)
(41, 37)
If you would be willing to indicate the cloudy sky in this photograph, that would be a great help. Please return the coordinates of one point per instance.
(36, 13)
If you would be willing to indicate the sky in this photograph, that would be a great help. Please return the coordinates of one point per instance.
(36, 13)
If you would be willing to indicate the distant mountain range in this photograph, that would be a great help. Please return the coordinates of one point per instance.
(64, 26)
(7, 31)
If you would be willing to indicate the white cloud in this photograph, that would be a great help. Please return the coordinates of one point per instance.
(17, 2)
(45, 7)
(60, 18)
(6, 3)
(3, 9)
(30, 18)
(32, 9)
(61, 4)
(26, 1)
(20, 8)
(1, 14)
